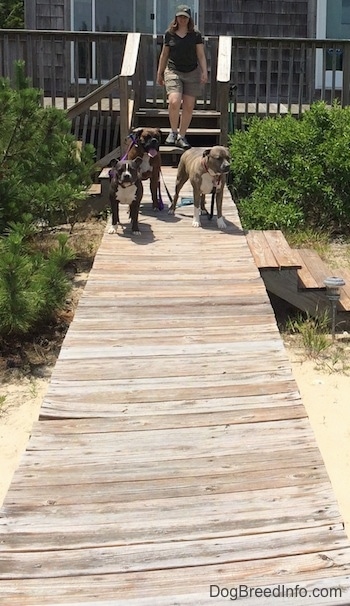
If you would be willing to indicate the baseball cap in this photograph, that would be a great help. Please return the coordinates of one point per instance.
(184, 10)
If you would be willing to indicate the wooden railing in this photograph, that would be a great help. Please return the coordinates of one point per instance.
(271, 74)
(115, 73)
(123, 83)
(276, 75)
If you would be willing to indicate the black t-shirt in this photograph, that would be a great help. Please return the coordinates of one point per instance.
(182, 51)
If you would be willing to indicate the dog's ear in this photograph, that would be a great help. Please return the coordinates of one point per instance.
(113, 162)
(137, 132)
(206, 152)
(159, 133)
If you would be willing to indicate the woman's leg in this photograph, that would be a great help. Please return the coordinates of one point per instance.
(174, 101)
(188, 103)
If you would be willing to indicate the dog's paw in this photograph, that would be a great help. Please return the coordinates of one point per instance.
(196, 223)
(221, 223)
(112, 229)
(136, 233)
(171, 210)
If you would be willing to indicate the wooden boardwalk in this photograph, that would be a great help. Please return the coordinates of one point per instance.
(173, 459)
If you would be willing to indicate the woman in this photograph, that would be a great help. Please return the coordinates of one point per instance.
(183, 70)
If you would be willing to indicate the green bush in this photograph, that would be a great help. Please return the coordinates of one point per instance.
(41, 172)
(32, 286)
(291, 173)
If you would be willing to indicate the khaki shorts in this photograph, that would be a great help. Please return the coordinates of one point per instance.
(186, 83)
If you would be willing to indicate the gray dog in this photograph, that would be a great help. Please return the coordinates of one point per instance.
(206, 169)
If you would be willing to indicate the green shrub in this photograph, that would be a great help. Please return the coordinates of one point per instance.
(32, 286)
(291, 173)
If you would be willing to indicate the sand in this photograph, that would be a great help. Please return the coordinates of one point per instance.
(326, 397)
(19, 411)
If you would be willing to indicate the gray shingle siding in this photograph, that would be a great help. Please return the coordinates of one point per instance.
(257, 17)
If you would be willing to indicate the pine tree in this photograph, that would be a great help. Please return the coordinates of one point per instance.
(40, 171)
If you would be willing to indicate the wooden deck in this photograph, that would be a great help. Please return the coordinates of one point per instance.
(173, 452)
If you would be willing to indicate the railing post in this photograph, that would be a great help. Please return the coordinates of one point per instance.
(346, 75)
(223, 80)
(124, 111)
(127, 71)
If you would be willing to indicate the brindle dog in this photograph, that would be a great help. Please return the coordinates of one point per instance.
(146, 143)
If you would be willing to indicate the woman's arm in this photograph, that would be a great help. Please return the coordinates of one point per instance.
(163, 60)
(202, 60)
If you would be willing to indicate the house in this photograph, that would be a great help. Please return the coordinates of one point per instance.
(268, 18)
(249, 18)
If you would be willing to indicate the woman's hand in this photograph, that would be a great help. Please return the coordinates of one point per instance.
(204, 77)
(163, 60)
(202, 63)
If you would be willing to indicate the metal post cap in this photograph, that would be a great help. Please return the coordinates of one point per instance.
(333, 282)
(333, 285)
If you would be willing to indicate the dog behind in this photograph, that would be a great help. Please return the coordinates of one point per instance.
(206, 169)
(146, 142)
(125, 188)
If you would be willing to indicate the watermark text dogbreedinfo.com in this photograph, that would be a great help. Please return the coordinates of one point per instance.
(240, 592)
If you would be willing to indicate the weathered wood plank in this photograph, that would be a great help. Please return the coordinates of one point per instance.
(262, 253)
(80, 472)
(134, 558)
(345, 290)
(271, 250)
(175, 488)
(54, 408)
(306, 279)
(281, 250)
(188, 586)
(315, 266)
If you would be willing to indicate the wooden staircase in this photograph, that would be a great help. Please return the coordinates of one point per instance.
(204, 128)
(296, 275)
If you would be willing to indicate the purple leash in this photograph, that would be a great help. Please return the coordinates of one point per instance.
(132, 143)
(160, 201)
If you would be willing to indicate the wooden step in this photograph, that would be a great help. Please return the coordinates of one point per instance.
(271, 250)
(94, 189)
(155, 111)
(205, 132)
(170, 149)
(344, 301)
(313, 270)
(306, 289)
